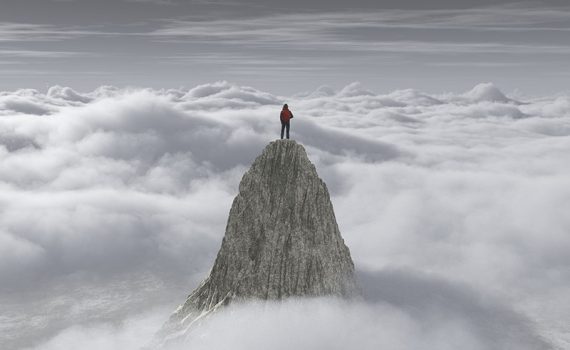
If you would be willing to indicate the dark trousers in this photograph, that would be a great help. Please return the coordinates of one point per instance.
(283, 127)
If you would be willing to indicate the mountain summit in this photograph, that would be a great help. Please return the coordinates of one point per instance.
(281, 240)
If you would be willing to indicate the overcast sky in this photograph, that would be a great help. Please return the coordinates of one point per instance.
(286, 47)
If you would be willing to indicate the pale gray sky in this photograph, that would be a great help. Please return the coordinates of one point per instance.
(286, 47)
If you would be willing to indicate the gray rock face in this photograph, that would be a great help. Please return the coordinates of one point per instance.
(281, 240)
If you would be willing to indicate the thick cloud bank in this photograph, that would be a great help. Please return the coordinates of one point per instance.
(455, 207)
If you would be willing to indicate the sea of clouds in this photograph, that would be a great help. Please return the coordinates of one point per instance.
(455, 207)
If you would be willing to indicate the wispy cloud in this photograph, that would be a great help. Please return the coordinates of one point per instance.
(483, 64)
(41, 54)
(366, 31)
(281, 26)
(24, 32)
(318, 34)
(155, 2)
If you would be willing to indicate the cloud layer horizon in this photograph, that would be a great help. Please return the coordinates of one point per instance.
(454, 206)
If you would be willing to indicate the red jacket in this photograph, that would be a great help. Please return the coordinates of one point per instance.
(285, 116)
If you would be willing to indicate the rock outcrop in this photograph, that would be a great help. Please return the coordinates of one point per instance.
(281, 240)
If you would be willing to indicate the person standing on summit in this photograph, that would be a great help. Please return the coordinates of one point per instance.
(285, 117)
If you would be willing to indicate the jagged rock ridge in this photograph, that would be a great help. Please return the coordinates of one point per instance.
(281, 239)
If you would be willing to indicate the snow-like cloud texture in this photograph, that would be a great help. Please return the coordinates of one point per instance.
(455, 207)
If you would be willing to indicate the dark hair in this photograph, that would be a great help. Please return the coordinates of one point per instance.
(285, 106)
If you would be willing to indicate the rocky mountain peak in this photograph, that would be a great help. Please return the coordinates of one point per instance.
(281, 240)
